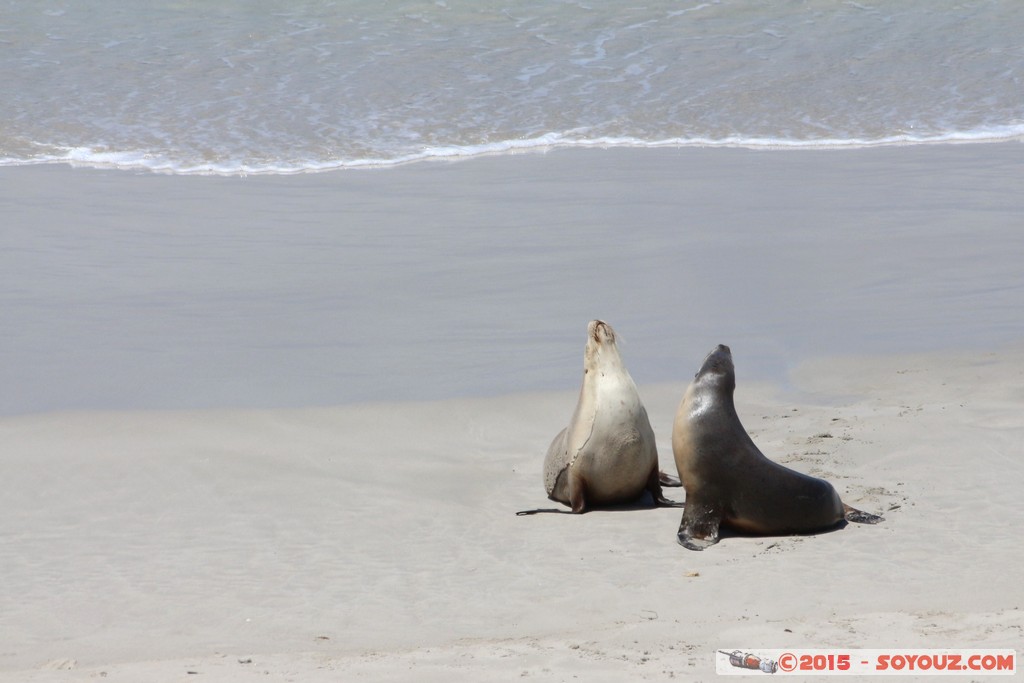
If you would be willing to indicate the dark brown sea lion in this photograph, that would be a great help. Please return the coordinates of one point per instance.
(728, 480)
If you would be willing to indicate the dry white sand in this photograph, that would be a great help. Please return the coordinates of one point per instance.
(378, 541)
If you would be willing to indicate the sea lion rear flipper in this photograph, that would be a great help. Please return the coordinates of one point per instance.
(538, 511)
(654, 484)
(699, 526)
(859, 516)
(668, 480)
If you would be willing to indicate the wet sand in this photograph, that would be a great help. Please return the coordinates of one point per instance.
(441, 280)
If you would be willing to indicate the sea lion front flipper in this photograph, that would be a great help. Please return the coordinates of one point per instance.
(699, 527)
(666, 479)
(852, 514)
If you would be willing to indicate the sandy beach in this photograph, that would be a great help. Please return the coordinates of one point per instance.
(278, 428)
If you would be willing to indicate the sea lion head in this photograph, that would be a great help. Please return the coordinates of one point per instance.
(717, 369)
(601, 348)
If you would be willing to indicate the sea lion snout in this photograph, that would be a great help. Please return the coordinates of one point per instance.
(719, 361)
(601, 332)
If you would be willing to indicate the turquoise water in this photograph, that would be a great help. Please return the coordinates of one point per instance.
(237, 87)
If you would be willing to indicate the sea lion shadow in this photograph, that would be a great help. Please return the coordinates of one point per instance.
(644, 502)
(726, 532)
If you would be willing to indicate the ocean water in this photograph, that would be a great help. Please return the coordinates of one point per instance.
(249, 86)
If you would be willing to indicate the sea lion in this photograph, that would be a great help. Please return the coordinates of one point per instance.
(729, 481)
(607, 454)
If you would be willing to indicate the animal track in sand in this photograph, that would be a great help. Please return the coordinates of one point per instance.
(60, 665)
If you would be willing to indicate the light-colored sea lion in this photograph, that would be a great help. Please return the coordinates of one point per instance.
(607, 454)
(729, 481)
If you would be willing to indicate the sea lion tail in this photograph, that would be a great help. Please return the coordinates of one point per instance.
(852, 514)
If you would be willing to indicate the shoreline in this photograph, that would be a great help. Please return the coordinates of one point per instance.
(141, 162)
